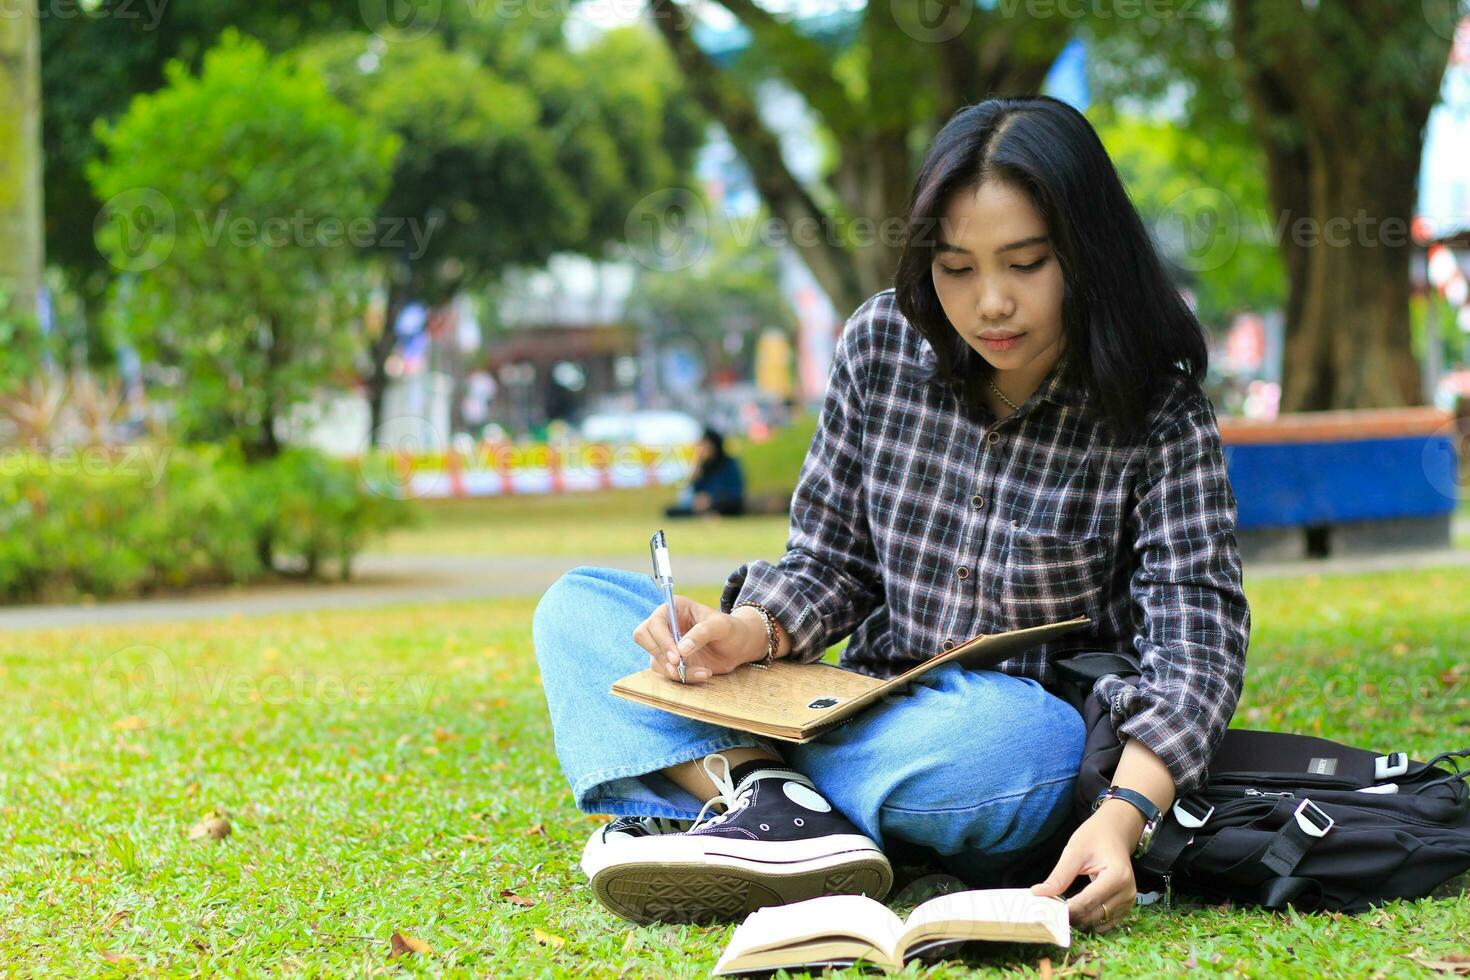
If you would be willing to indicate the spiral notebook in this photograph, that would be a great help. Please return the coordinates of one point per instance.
(796, 702)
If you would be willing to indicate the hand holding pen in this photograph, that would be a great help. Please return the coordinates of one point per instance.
(716, 642)
(663, 574)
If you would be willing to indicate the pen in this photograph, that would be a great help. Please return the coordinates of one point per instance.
(663, 574)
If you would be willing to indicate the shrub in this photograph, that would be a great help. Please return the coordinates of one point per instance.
(131, 522)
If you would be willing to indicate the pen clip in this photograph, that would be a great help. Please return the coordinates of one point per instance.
(658, 550)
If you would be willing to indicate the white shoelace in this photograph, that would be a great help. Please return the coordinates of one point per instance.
(726, 794)
(735, 802)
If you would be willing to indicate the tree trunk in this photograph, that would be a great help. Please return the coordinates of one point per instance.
(22, 241)
(857, 252)
(382, 346)
(1349, 345)
(1343, 140)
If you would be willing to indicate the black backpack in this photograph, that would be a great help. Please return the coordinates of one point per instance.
(1287, 819)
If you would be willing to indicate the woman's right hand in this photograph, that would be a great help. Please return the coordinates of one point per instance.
(713, 642)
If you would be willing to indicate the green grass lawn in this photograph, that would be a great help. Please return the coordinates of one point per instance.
(393, 772)
(581, 525)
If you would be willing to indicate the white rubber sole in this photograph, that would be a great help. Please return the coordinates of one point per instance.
(673, 878)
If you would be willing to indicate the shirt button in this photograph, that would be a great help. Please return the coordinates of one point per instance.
(963, 572)
(1015, 523)
(949, 645)
(978, 501)
(993, 438)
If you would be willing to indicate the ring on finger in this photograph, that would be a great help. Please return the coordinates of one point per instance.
(1105, 911)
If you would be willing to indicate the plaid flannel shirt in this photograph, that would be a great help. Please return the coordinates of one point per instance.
(915, 526)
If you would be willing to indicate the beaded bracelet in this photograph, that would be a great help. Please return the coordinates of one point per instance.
(770, 622)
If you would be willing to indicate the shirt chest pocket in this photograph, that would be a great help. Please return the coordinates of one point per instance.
(1050, 577)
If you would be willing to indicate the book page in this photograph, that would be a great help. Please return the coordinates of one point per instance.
(830, 915)
(997, 914)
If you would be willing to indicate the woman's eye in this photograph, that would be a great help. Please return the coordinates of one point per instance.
(954, 272)
(1030, 268)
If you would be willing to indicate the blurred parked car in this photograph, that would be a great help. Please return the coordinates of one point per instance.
(648, 427)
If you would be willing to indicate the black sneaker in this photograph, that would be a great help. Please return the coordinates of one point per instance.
(778, 841)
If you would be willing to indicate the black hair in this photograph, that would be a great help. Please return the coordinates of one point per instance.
(717, 458)
(1127, 330)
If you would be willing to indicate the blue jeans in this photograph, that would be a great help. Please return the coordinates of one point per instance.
(974, 766)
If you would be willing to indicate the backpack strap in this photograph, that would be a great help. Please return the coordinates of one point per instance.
(1309, 823)
(1277, 893)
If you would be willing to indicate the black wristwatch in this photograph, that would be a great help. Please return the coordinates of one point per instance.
(1145, 806)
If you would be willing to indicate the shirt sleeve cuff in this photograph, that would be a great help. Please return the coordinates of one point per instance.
(1178, 739)
(762, 582)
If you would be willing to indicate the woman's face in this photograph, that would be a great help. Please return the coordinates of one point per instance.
(999, 281)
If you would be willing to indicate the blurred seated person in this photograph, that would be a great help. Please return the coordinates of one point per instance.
(718, 486)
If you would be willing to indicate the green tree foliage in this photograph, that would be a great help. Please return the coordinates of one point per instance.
(512, 151)
(1170, 171)
(234, 198)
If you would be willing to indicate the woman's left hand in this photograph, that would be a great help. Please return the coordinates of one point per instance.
(1101, 848)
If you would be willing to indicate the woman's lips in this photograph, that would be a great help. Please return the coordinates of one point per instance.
(1003, 343)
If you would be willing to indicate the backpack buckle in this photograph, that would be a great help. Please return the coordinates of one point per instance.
(1185, 818)
(1389, 766)
(1307, 812)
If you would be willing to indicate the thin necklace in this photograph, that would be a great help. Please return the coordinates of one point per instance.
(1002, 396)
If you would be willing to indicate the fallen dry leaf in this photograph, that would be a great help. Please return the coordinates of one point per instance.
(131, 723)
(547, 939)
(112, 957)
(403, 945)
(515, 899)
(1454, 964)
(214, 828)
(534, 829)
(114, 919)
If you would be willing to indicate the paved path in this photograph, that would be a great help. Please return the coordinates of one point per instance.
(386, 579)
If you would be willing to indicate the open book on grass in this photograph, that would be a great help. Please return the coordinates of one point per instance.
(838, 930)
(797, 702)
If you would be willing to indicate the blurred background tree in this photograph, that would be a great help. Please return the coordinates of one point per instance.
(1334, 98)
(231, 198)
(880, 91)
(730, 292)
(95, 56)
(512, 152)
(21, 246)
